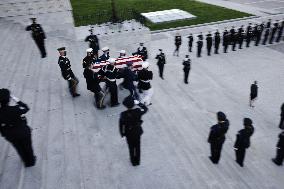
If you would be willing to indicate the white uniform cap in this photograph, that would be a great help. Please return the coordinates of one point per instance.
(145, 64)
(105, 49)
(111, 60)
(122, 52)
(89, 50)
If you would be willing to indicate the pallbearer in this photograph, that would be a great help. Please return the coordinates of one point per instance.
(142, 51)
(145, 89)
(67, 72)
(105, 56)
(93, 42)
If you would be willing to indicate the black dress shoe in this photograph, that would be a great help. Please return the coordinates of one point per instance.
(76, 95)
(114, 105)
(276, 162)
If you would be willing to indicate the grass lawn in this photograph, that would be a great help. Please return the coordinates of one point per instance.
(88, 12)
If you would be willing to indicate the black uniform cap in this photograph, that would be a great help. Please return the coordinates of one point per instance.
(33, 19)
(4, 95)
(247, 122)
(128, 102)
(61, 49)
(221, 116)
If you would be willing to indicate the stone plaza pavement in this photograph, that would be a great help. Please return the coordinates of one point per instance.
(79, 147)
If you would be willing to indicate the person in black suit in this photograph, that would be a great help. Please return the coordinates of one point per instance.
(243, 141)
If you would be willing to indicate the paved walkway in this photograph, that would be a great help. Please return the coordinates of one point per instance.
(79, 147)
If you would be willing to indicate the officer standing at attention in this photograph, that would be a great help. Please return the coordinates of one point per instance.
(38, 35)
(177, 44)
(186, 68)
(266, 35)
(105, 56)
(217, 137)
(66, 71)
(241, 35)
(226, 40)
(199, 45)
(273, 32)
(93, 42)
(161, 62)
(253, 93)
(190, 42)
(130, 126)
(90, 58)
(243, 141)
(14, 128)
(209, 41)
(142, 51)
(233, 38)
(258, 35)
(249, 34)
(110, 74)
(217, 40)
(280, 32)
(268, 24)
(278, 160)
(281, 124)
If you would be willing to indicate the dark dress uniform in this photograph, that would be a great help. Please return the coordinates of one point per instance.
(243, 141)
(93, 85)
(268, 24)
(39, 36)
(281, 124)
(68, 75)
(233, 38)
(280, 150)
(209, 42)
(144, 76)
(280, 32)
(217, 137)
(199, 47)
(89, 59)
(161, 63)
(14, 128)
(93, 43)
(248, 35)
(143, 52)
(240, 37)
(130, 126)
(177, 44)
(104, 57)
(226, 41)
(273, 32)
(190, 42)
(110, 73)
(217, 40)
(258, 35)
(186, 68)
(128, 78)
(266, 34)
(253, 91)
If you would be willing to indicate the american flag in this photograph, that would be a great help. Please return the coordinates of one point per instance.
(121, 63)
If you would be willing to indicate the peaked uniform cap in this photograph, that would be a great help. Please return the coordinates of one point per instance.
(61, 49)
(145, 64)
(105, 49)
(89, 50)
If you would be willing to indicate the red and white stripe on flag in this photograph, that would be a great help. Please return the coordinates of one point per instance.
(121, 63)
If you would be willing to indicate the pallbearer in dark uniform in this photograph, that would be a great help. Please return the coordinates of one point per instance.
(217, 137)
(226, 40)
(243, 141)
(273, 32)
(209, 41)
(278, 160)
(90, 58)
(253, 93)
(258, 35)
(177, 44)
(93, 85)
(110, 74)
(105, 56)
(248, 34)
(241, 36)
(129, 77)
(281, 124)
(217, 40)
(67, 72)
(145, 88)
(190, 42)
(280, 32)
(38, 35)
(130, 126)
(254, 32)
(161, 62)
(186, 68)
(199, 45)
(268, 24)
(142, 51)
(266, 35)
(93, 42)
(14, 128)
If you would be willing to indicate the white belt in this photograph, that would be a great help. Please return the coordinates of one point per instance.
(112, 80)
(147, 81)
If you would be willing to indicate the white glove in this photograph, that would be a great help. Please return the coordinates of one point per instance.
(136, 102)
(15, 98)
